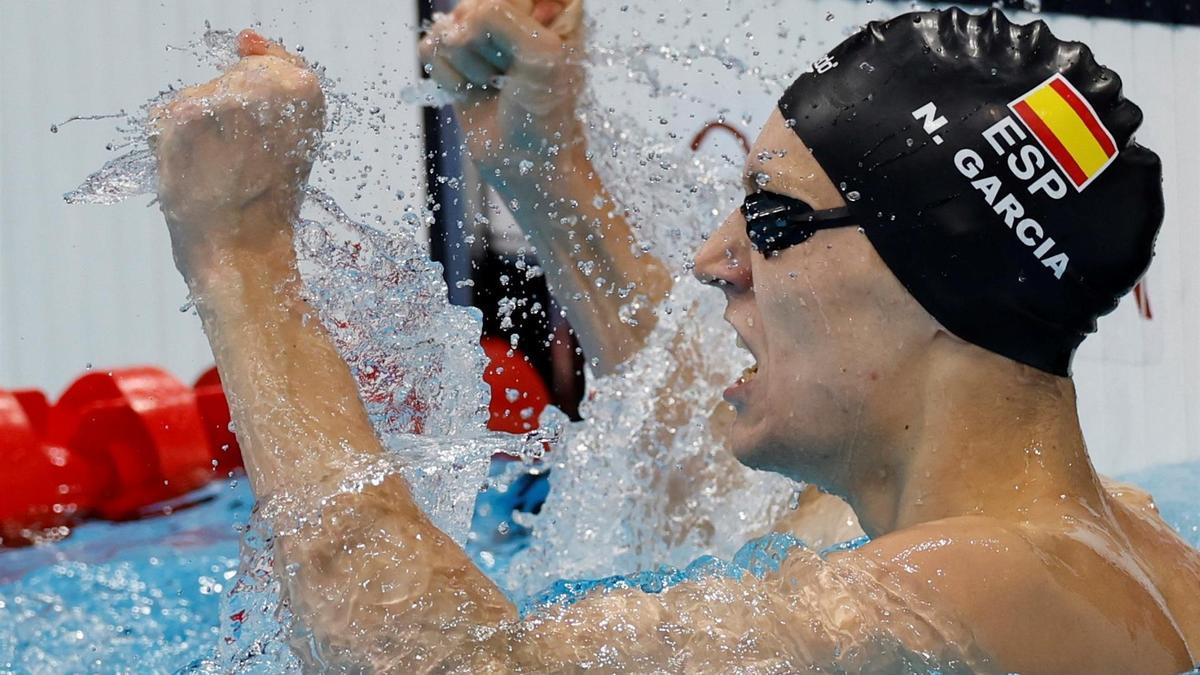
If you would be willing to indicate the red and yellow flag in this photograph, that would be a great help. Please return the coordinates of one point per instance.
(1067, 126)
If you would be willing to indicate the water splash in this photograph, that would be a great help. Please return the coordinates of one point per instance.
(135, 172)
(665, 479)
(129, 175)
(76, 118)
(216, 48)
(132, 174)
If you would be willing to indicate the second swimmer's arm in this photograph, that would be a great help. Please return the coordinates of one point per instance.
(595, 269)
(528, 143)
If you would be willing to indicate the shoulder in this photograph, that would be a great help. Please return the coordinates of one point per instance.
(987, 577)
(954, 542)
(965, 564)
(1017, 587)
(992, 572)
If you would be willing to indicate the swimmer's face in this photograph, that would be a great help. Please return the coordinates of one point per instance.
(833, 332)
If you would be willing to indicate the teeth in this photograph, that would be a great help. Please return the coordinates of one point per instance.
(750, 372)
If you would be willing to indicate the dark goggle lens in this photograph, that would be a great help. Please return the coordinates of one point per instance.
(775, 222)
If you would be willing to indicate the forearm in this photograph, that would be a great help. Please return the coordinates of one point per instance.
(367, 572)
(292, 399)
(608, 286)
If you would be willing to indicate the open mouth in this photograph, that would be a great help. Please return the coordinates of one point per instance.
(752, 370)
(745, 378)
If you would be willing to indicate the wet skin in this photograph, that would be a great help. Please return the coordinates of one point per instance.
(992, 531)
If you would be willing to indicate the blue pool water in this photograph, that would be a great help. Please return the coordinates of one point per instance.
(145, 596)
(113, 597)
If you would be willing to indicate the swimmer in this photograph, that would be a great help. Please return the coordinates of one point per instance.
(931, 391)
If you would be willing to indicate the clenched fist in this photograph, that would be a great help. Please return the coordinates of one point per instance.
(234, 153)
(515, 67)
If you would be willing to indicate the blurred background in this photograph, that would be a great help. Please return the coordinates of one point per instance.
(92, 288)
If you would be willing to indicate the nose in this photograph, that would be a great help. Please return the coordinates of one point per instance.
(724, 260)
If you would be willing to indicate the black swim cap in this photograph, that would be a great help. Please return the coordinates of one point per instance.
(993, 168)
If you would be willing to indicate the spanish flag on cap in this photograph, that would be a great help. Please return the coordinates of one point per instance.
(1066, 125)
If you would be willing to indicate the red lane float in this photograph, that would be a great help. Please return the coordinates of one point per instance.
(36, 407)
(518, 393)
(43, 485)
(145, 426)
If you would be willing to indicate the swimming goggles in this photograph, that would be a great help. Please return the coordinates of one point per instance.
(775, 222)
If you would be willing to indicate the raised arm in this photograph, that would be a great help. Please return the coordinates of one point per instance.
(365, 571)
(517, 79)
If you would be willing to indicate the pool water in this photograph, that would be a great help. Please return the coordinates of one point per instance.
(146, 596)
(113, 597)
